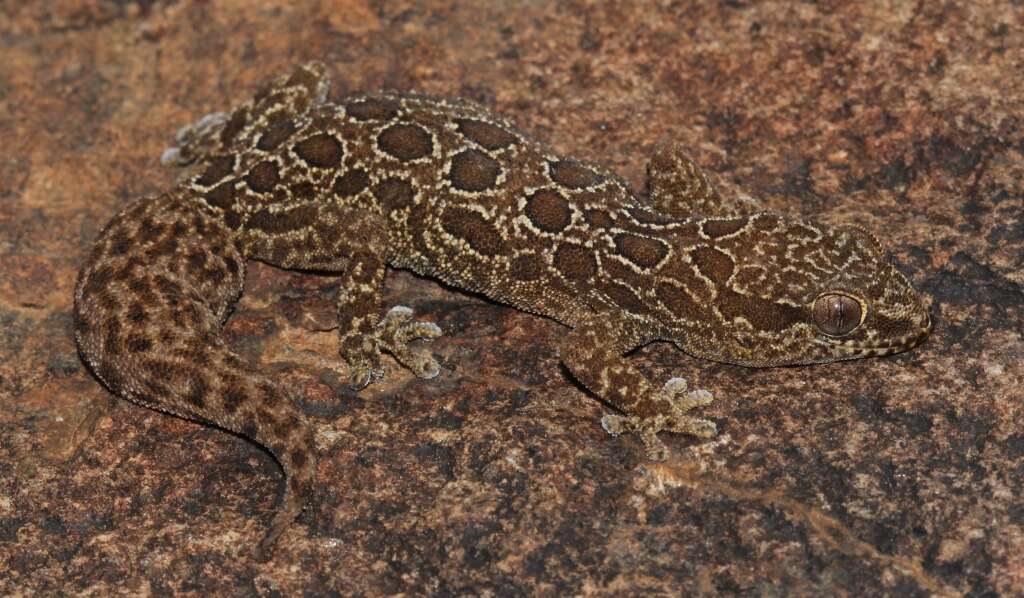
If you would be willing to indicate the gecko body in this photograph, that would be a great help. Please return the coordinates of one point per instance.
(448, 190)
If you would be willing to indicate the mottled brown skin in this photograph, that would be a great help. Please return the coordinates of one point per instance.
(448, 190)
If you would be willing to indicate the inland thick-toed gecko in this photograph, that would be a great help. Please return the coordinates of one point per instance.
(448, 190)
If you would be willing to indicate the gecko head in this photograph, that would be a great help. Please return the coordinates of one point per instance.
(868, 308)
(800, 293)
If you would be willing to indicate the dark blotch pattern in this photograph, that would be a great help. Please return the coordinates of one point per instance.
(263, 177)
(473, 228)
(120, 243)
(233, 399)
(644, 216)
(677, 301)
(473, 170)
(278, 131)
(575, 262)
(548, 211)
(642, 251)
(713, 263)
(598, 218)
(222, 196)
(217, 169)
(405, 142)
(721, 228)
(137, 313)
(284, 221)
(149, 230)
(304, 191)
(528, 266)
(624, 297)
(394, 193)
(232, 219)
(487, 135)
(351, 183)
(372, 109)
(572, 174)
(617, 271)
(197, 395)
(139, 344)
(762, 314)
(233, 127)
(322, 151)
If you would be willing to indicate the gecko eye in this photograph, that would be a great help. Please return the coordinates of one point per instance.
(836, 314)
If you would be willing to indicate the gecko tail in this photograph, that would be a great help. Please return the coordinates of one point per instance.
(151, 330)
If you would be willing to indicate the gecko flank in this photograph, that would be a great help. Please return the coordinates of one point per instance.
(446, 189)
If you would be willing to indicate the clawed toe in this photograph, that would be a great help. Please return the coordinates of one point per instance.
(361, 377)
(365, 370)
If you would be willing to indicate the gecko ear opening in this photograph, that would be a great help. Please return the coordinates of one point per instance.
(837, 314)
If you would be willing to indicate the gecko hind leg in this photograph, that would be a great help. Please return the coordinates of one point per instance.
(681, 189)
(286, 97)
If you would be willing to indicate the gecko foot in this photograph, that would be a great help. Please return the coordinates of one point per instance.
(675, 401)
(393, 335)
(194, 140)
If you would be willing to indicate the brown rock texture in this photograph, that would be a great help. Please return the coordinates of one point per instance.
(888, 476)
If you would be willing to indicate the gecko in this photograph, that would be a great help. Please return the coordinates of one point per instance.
(448, 190)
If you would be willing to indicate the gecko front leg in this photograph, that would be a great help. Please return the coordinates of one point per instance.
(594, 351)
(364, 334)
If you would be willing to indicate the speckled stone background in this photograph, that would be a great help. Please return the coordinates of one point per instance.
(888, 476)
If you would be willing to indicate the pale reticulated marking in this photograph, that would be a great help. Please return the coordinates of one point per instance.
(609, 253)
(699, 276)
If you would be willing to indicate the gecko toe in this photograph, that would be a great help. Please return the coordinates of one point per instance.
(674, 386)
(428, 368)
(693, 426)
(398, 312)
(201, 127)
(653, 446)
(365, 366)
(420, 362)
(614, 424)
(361, 377)
(669, 409)
(411, 331)
(171, 157)
(680, 399)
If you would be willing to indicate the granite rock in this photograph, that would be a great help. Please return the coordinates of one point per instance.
(887, 476)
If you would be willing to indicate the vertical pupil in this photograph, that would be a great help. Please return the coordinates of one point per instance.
(837, 314)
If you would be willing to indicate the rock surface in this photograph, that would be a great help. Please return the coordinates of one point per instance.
(886, 476)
